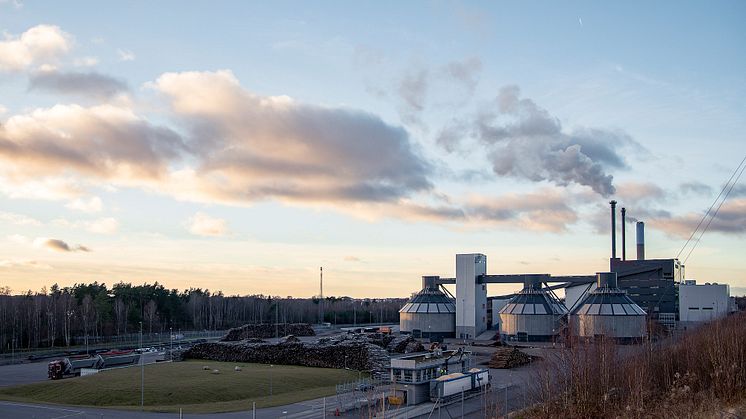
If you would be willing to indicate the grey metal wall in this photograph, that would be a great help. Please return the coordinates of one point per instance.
(588, 326)
(531, 324)
(428, 322)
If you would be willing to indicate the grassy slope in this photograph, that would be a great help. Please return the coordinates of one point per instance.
(171, 386)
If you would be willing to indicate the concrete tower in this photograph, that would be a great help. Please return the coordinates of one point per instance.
(471, 295)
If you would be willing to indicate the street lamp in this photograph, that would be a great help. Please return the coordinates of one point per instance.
(270, 380)
(171, 338)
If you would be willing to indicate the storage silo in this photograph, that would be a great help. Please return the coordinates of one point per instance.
(534, 314)
(607, 311)
(430, 312)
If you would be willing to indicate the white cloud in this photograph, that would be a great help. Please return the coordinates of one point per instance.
(18, 219)
(58, 245)
(86, 62)
(23, 263)
(18, 238)
(3, 109)
(37, 45)
(91, 205)
(125, 55)
(106, 225)
(204, 225)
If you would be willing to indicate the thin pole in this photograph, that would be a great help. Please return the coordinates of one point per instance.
(142, 373)
(324, 414)
(253, 410)
(462, 403)
(506, 400)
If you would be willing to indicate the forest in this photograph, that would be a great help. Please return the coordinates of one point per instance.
(63, 317)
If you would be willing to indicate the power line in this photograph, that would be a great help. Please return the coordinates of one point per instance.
(711, 206)
(716, 211)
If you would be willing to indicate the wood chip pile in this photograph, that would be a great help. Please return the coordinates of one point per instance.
(268, 330)
(404, 344)
(507, 357)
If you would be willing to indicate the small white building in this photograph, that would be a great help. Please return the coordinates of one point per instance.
(702, 303)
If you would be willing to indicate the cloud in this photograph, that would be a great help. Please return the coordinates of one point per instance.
(38, 45)
(90, 205)
(639, 193)
(543, 211)
(412, 89)
(525, 141)
(352, 259)
(106, 225)
(730, 219)
(259, 147)
(104, 142)
(23, 263)
(696, 188)
(202, 224)
(465, 73)
(86, 62)
(125, 55)
(89, 84)
(18, 219)
(59, 245)
(17, 238)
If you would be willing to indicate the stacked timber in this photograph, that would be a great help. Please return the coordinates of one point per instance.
(405, 344)
(343, 352)
(268, 330)
(507, 357)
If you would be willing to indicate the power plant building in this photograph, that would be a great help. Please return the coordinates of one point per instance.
(534, 314)
(609, 312)
(431, 313)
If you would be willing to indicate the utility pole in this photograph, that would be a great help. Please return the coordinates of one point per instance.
(142, 373)
(277, 318)
(321, 294)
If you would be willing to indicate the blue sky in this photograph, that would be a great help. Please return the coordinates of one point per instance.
(240, 146)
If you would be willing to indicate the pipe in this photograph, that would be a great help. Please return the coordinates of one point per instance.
(640, 240)
(613, 229)
(624, 231)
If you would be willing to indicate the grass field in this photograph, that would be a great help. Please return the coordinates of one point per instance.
(170, 386)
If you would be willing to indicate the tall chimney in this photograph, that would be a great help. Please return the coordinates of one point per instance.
(624, 231)
(640, 240)
(613, 229)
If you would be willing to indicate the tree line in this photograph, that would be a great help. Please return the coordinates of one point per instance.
(66, 316)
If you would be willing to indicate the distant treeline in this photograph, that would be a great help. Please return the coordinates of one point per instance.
(62, 317)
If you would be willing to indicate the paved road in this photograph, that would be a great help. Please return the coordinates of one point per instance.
(17, 374)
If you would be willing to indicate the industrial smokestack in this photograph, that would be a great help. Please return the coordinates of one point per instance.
(624, 235)
(613, 229)
(640, 240)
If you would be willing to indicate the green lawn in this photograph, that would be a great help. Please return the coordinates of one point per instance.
(170, 386)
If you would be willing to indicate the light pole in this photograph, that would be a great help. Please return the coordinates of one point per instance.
(171, 338)
(270, 380)
(142, 373)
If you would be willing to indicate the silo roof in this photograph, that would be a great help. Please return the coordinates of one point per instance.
(608, 302)
(429, 301)
(531, 301)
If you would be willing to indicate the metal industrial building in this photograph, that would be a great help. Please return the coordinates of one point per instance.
(608, 311)
(534, 314)
(701, 303)
(431, 313)
(651, 284)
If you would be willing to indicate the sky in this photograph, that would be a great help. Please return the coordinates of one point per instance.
(239, 146)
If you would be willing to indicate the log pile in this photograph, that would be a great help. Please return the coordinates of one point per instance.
(268, 330)
(507, 357)
(404, 344)
(353, 352)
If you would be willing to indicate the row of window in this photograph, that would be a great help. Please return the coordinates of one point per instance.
(611, 309)
(428, 308)
(520, 308)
